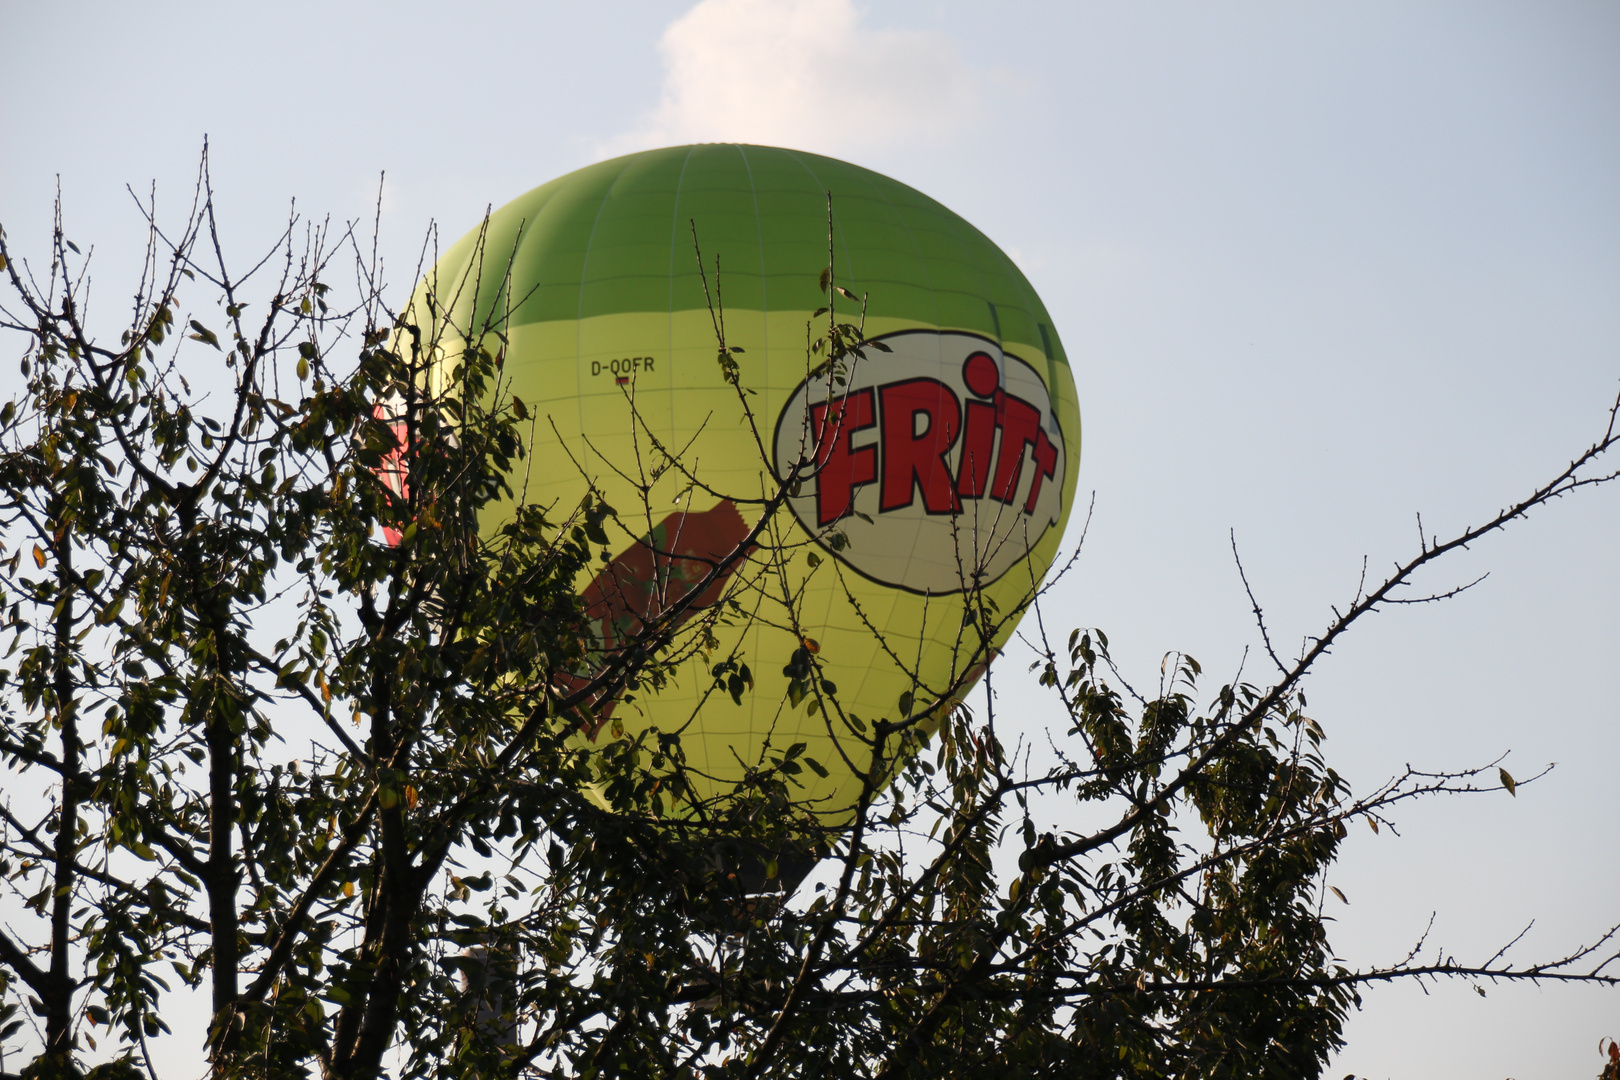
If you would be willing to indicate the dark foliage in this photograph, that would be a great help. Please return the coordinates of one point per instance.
(337, 786)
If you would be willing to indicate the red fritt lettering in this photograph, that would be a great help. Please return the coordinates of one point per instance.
(841, 467)
(1045, 467)
(982, 377)
(978, 446)
(920, 423)
(1020, 423)
(913, 458)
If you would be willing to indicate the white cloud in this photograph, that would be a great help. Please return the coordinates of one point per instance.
(806, 74)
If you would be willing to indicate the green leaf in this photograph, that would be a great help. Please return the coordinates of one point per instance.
(203, 334)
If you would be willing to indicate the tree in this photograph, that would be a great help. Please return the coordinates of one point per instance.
(339, 784)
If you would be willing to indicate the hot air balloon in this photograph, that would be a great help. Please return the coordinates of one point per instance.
(939, 467)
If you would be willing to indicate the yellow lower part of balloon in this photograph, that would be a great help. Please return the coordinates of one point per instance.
(604, 394)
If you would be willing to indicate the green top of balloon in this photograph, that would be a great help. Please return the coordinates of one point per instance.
(616, 237)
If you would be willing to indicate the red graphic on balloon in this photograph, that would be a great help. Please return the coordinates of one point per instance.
(394, 470)
(654, 575)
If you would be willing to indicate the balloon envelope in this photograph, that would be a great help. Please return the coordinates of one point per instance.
(945, 463)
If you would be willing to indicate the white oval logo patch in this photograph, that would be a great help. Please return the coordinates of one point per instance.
(941, 462)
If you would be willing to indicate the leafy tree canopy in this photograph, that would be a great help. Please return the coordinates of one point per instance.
(337, 787)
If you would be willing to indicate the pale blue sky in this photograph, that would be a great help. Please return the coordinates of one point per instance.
(1319, 267)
